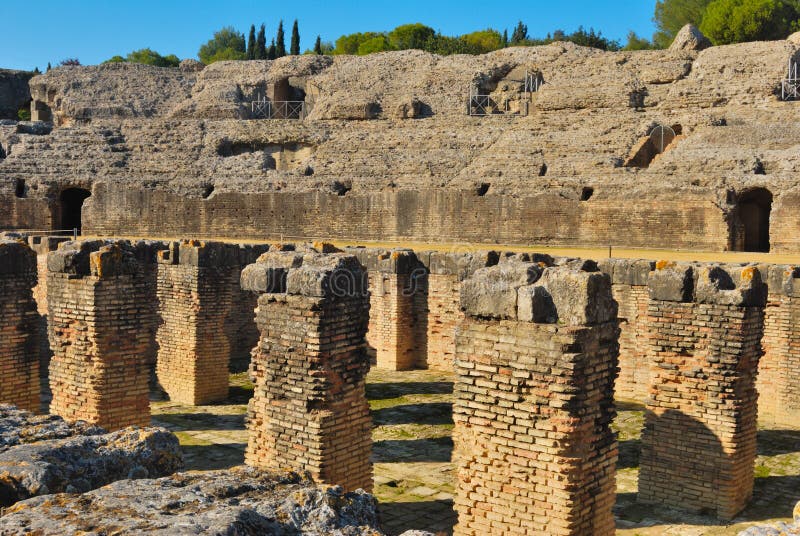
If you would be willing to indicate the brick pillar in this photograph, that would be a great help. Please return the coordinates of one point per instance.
(779, 369)
(19, 326)
(396, 279)
(699, 438)
(447, 271)
(536, 358)
(195, 295)
(100, 328)
(629, 287)
(309, 410)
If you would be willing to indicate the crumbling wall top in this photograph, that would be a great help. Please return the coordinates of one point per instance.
(16, 256)
(737, 285)
(534, 292)
(103, 258)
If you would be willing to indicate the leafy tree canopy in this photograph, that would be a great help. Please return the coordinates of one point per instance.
(672, 15)
(227, 44)
(409, 36)
(736, 21)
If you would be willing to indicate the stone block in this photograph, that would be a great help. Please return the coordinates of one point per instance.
(671, 281)
(492, 292)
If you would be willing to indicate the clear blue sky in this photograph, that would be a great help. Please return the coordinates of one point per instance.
(34, 33)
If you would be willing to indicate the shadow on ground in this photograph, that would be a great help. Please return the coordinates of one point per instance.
(424, 413)
(437, 449)
(210, 457)
(203, 420)
(433, 516)
(381, 390)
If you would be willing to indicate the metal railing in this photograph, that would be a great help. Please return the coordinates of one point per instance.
(790, 86)
(74, 232)
(266, 109)
(482, 105)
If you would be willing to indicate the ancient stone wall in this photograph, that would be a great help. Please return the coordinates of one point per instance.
(14, 92)
(100, 329)
(536, 359)
(196, 298)
(19, 326)
(699, 438)
(309, 410)
(779, 369)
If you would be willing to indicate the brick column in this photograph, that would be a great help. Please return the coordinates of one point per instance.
(19, 326)
(195, 296)
(396, 278)
(100, 333)
(779, 369)
(536, 359)
(699, 439)
(629, 287)
(447, 271)
(309, 410)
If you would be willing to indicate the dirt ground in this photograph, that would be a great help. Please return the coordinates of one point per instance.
(412, 428)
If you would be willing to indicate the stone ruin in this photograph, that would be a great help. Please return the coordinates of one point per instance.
(387, 151)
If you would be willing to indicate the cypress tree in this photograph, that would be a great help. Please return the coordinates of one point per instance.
(251, 43)
(271, 53)
(520, 34)
(48, 67)
(294, 47)
(318, 46)
(280, 42)
(505, 38)
(261, 45)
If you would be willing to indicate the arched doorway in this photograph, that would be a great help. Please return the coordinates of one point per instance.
(753, 209)
(70, 205)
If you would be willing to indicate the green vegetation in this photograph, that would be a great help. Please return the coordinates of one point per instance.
(736, 21)
(147, 57)
(294, 47)
(227, 44)
(280, 42)
(672, 15)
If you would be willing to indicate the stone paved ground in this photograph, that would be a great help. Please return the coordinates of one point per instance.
(414, 476)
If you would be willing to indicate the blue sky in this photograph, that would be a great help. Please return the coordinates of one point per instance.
(34, 33)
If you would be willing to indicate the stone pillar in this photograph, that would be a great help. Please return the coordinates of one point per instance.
(100, 328)
(309, 410)
(779, 369)
(195, 296)
(19, 326)
(699, 438)
(629, 287)
(396, 278)
(447, 271)
(536, 358)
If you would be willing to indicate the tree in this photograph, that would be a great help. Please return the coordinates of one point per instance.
(672, 15)
(348, 44)
(520, 34)
(294, 47)
(70, 62)
(280, 42)
(251, 43)
(484, 40)
(737, 21)
(505, 38)
(48, 67)
(36, 70)
(272, 51)
(376, 44)
(318, 46)
(147, 56)
(409, 36)
(261, 45)
(115, 59)
(637, 43)
(227, 44)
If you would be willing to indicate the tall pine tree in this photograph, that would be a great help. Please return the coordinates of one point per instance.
(251, 43)
(261, 45)
(318, 46)
(505, 38)
(294, 47)
(280, 42)
(520, 34)
(48, 67)
(271, 52)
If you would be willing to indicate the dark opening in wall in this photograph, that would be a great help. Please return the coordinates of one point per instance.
(587, 193)
(658, 141)
(208, 190)
(751, 221)
(308, 171)
(2, 152)
(758, 167)
(71, 205)
(19, 188)
(483, 189)
(543, 170)
(340, 188)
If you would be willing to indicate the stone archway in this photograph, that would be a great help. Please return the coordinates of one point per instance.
(69, 208)
(751, 231)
